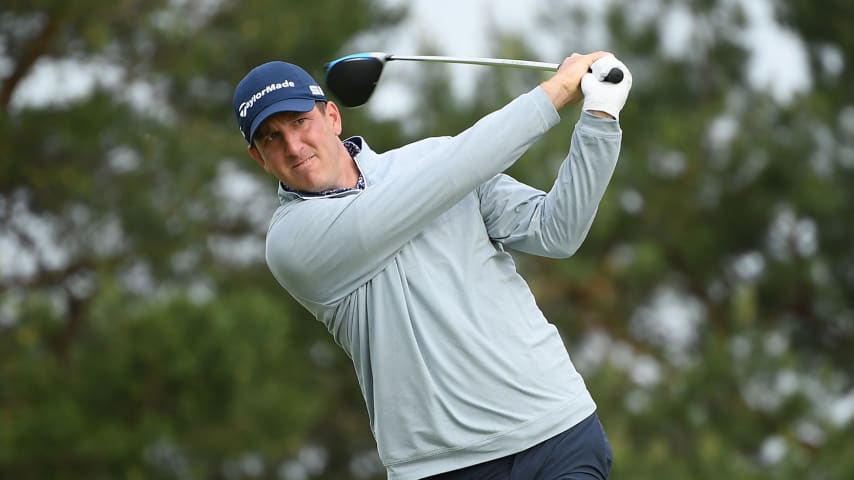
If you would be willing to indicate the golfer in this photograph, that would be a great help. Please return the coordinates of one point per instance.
(403, 256)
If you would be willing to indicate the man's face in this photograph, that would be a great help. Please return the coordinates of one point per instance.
(302, 149)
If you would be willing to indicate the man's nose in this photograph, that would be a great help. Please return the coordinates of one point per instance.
(293, 143)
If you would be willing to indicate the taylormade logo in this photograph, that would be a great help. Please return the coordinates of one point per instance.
(245, 106)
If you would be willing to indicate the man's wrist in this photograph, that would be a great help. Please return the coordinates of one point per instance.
(557, 93)
(600, 113)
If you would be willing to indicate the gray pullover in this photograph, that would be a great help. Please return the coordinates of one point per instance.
(455, 360)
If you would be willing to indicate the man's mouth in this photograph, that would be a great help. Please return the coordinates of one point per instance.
(304, 161)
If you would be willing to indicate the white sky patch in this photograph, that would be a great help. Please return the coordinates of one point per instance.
(777, 58)
(461, 28)
(53, 83)
(767, 393)
(631, 201)
(454, 28)
(57, 82)
(789, 235)
(747, 267)
(676, 29)
(722, 130)
(244, 195)
(41, 246)
(669, 320)
(599, 347)
(841, 411)
(778, 62)
(832, 59)
(773, 450)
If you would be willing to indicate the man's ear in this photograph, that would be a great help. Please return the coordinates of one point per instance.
(254, 153)
(334, 115)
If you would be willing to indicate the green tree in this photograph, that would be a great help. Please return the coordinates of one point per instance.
(141, 334)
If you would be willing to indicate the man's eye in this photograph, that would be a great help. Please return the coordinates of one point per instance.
(272, 136)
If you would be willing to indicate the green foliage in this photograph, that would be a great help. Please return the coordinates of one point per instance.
(141, 335)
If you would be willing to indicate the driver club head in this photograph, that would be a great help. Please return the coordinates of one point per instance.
(352, 79)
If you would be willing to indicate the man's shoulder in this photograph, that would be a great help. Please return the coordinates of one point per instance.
(417, 147)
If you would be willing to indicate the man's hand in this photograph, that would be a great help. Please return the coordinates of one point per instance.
(572, 82)
(565, 86)
(600, 96)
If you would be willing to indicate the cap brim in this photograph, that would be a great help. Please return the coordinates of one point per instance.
(289, 105)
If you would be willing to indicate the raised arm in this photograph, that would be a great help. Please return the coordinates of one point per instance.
(554, 224)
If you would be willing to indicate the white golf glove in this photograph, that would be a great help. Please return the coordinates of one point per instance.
(605, 96)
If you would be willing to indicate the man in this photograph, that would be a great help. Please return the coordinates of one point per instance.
(402, 256)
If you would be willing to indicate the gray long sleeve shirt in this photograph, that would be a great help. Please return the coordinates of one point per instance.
(455, 360)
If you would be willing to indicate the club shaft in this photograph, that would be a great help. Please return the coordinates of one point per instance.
(480, 61)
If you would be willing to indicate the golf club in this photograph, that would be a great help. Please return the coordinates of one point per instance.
(352, 79)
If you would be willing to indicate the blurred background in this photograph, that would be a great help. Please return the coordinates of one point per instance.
(711, 309)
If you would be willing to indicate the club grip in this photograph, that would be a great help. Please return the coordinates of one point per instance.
(615, 75)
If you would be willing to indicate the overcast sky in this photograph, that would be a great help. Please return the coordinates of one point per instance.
(465, 28)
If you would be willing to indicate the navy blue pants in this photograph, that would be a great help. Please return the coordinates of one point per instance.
(580, 453)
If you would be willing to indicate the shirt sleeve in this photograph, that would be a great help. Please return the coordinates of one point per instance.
(320, 250)
(554, 224)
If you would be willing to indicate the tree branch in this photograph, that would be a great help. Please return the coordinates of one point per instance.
(37, 47)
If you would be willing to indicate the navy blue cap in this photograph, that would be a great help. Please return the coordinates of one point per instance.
(272, 88)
